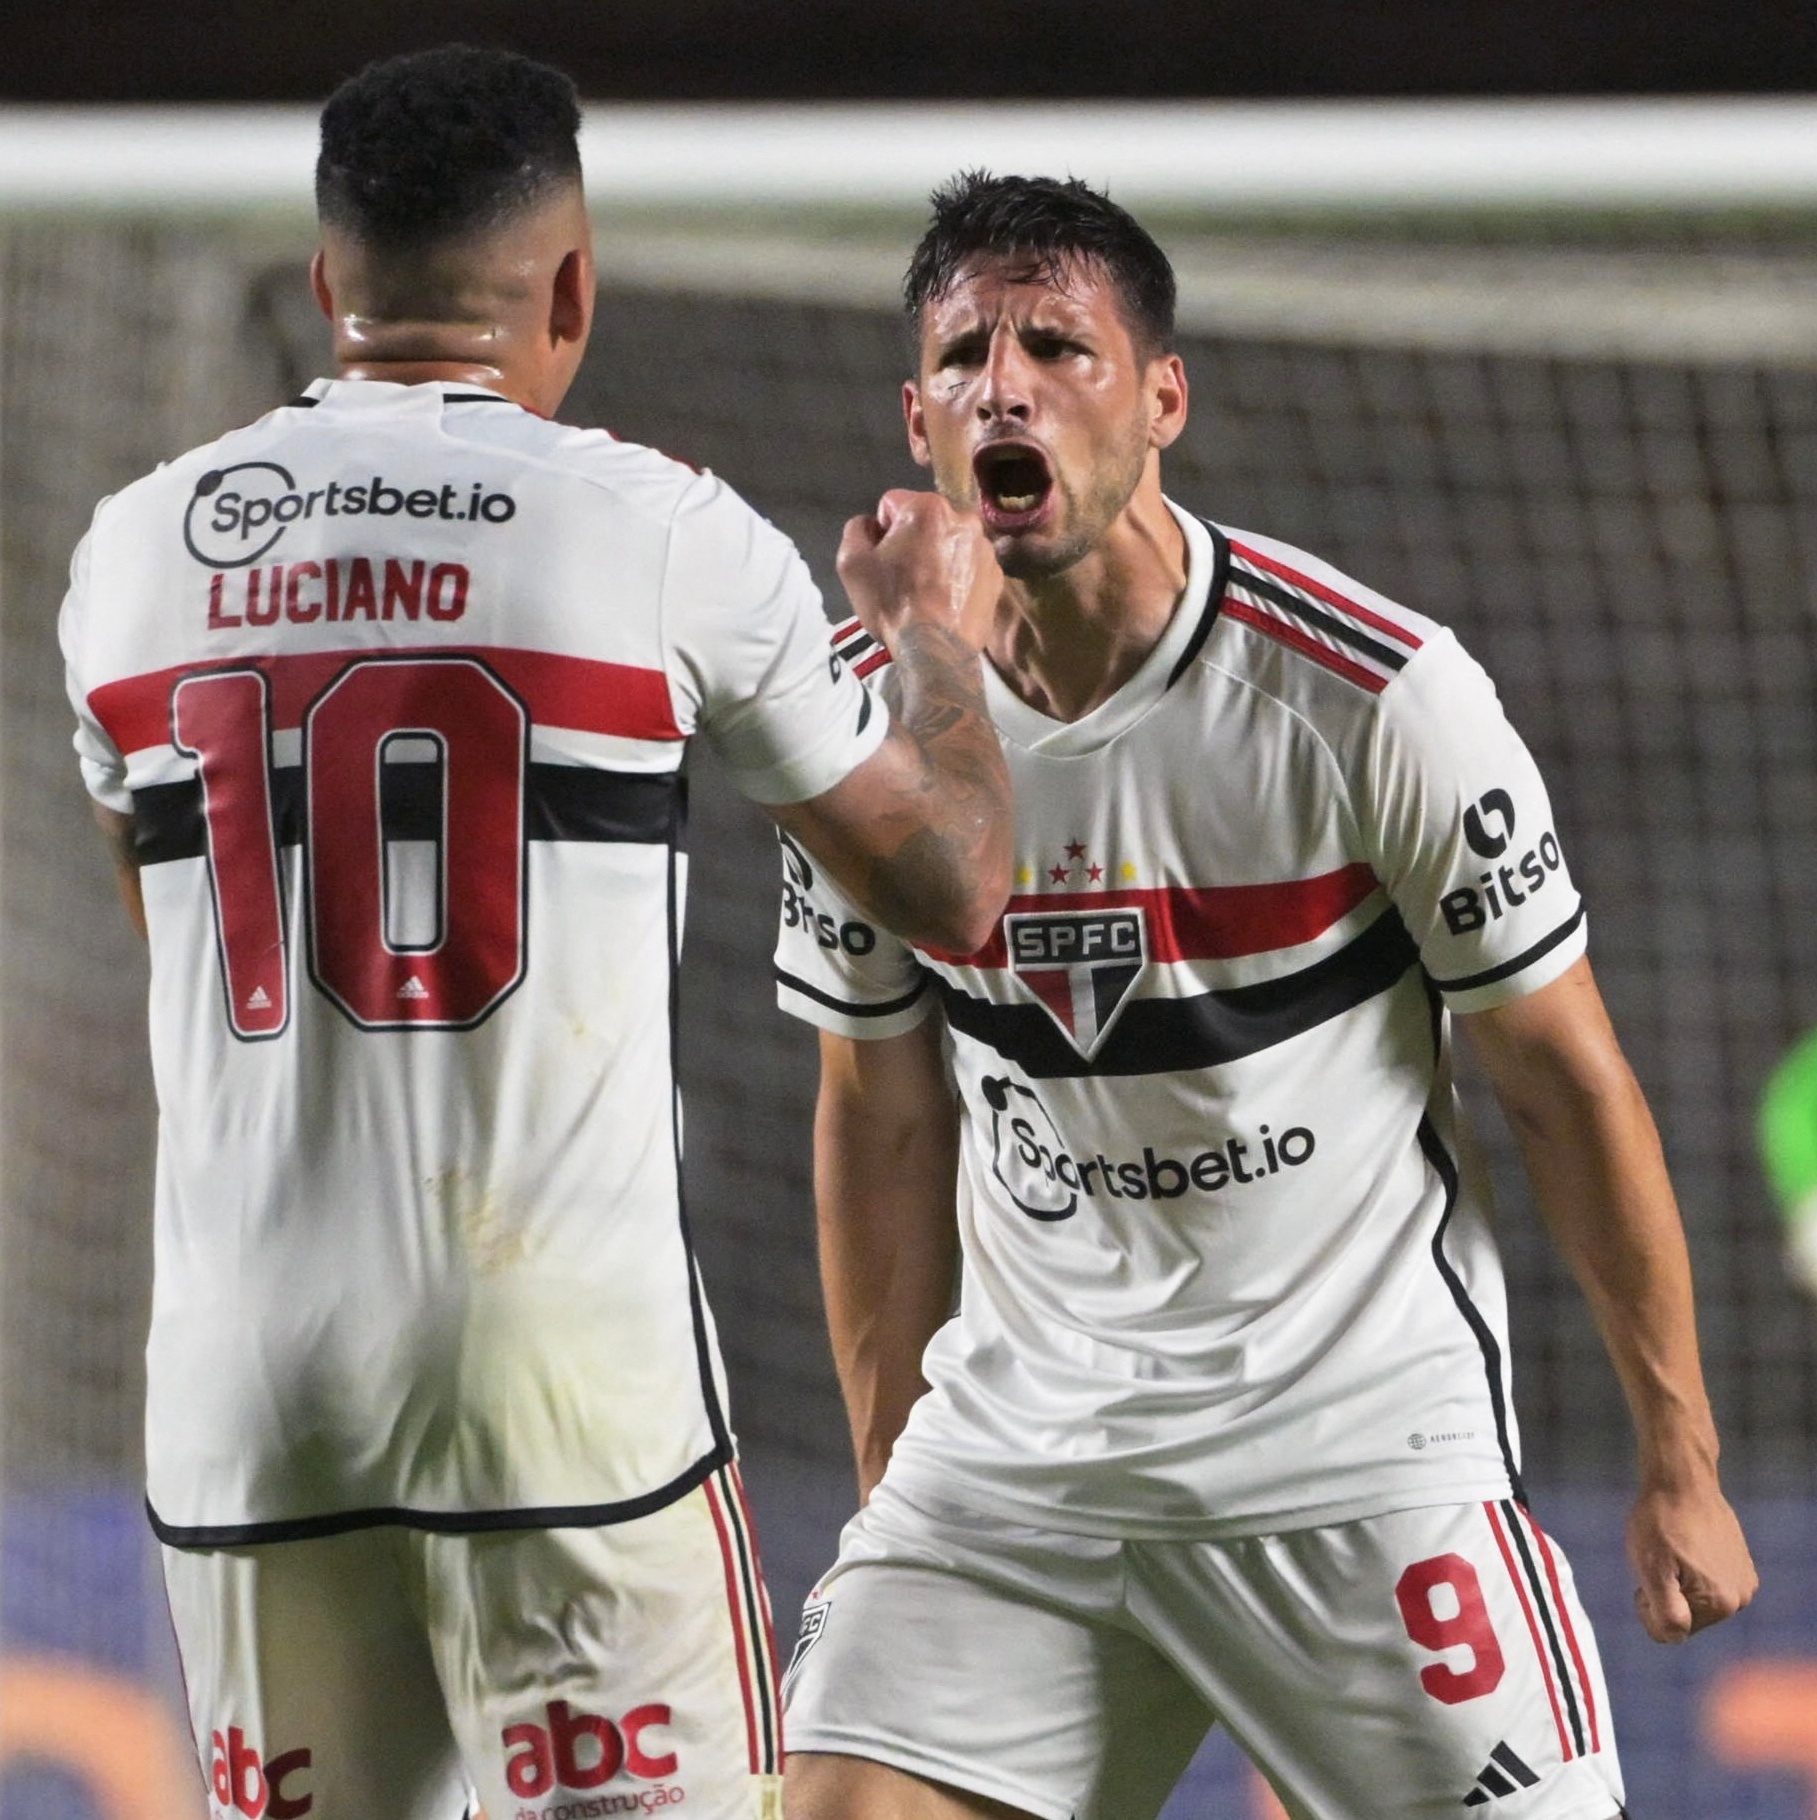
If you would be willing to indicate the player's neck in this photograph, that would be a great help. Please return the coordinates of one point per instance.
(1067, 643)
(507, 309)
(488, 353)
(428, 372)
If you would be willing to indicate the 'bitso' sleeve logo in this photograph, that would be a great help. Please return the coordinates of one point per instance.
(1489, 824)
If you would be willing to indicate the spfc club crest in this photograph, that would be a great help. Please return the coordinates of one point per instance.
(1080, 964)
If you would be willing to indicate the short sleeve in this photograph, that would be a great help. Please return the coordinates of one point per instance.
(1458, 826)
(834, 967)
(744, 622)
(103, 768)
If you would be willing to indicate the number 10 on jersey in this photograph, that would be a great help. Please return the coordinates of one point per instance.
(413, 867)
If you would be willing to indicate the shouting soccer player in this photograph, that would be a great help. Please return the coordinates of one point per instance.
(1221, 1429)
(383, 701)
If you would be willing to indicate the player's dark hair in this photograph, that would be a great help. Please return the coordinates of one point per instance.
(1051, 225)
(442, 143)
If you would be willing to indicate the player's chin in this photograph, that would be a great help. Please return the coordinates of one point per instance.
(1034, 555)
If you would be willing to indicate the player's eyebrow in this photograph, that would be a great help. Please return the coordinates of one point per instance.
(954, 343)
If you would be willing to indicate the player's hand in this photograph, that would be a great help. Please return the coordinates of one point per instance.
(1692, 1561)
(916, 560)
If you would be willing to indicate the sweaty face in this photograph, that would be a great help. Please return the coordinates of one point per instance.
(1032, 410)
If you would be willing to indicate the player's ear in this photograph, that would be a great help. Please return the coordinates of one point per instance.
(571, 298)
(1167, 398)
(916, 424)
(318, 285)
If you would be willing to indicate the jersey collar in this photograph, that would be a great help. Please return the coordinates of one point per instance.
(1159, 670)
(447, 391)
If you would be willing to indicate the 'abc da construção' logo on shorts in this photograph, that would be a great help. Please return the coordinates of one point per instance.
(238, 514)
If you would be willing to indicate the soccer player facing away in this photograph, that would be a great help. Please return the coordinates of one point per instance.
(383, 700)
(1221, 1430)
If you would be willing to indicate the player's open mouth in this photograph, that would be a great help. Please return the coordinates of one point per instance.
(1013, 485)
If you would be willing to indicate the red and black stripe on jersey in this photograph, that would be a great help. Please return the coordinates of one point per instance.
(561, 802)
(1202, 1030)
(1339, 634)
(1360, 643)
(855, 647)
(625, 701)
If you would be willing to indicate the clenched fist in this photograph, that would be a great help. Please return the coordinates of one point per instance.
(917, 561)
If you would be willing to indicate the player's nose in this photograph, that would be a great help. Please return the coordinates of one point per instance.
(1005, 391)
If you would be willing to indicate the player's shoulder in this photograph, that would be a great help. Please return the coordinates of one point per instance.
(178, 485)
(1297, 627)
(633, 474)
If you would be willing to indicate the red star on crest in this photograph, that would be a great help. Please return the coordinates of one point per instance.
(1094, 873)
(1075, 849)
(1058, 874)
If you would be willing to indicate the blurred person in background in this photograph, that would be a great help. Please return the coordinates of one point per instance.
(1788, 1148)
(382, 701)
(1222, 1428)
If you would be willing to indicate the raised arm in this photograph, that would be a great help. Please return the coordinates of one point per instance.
(886, 1147)
(1599, 1175)
(919, 834)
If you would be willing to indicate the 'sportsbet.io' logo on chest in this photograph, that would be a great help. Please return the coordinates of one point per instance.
(1047, 1180)
(237, 514)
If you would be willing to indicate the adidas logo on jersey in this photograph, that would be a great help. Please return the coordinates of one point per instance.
(1503, 1774)
(413, 988)
(258, 999)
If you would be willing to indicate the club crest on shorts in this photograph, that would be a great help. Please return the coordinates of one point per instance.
(1080, 964)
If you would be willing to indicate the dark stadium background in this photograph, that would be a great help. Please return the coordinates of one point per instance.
(1709, 963)
(716, 50)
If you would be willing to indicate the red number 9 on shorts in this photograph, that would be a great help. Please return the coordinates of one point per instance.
(1468, 1626)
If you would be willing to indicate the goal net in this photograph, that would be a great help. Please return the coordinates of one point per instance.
(1579, 427)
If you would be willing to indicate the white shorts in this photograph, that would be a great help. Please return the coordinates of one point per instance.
(1397, 1668)
(551, 1674)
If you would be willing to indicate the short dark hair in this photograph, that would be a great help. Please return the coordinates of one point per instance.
(441, 143)
(1052, 225)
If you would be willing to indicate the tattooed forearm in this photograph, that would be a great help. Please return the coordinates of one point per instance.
(919, 835)
(954, 790)
(920, 838)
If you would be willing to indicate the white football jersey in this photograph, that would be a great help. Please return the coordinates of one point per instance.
(1227, 1257)
(395, 683)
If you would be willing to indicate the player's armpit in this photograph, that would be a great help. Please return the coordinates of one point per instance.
(1598, 1173)
(117, 831)
(886, 1158)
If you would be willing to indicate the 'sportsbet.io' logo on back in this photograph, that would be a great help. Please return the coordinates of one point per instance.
(237, 514)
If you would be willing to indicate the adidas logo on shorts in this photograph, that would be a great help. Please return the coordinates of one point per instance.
(1492, 1782)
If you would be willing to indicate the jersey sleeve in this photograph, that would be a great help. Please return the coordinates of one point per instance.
(744, 622)
(103, 768)
(1460, 831)
(837, 969)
